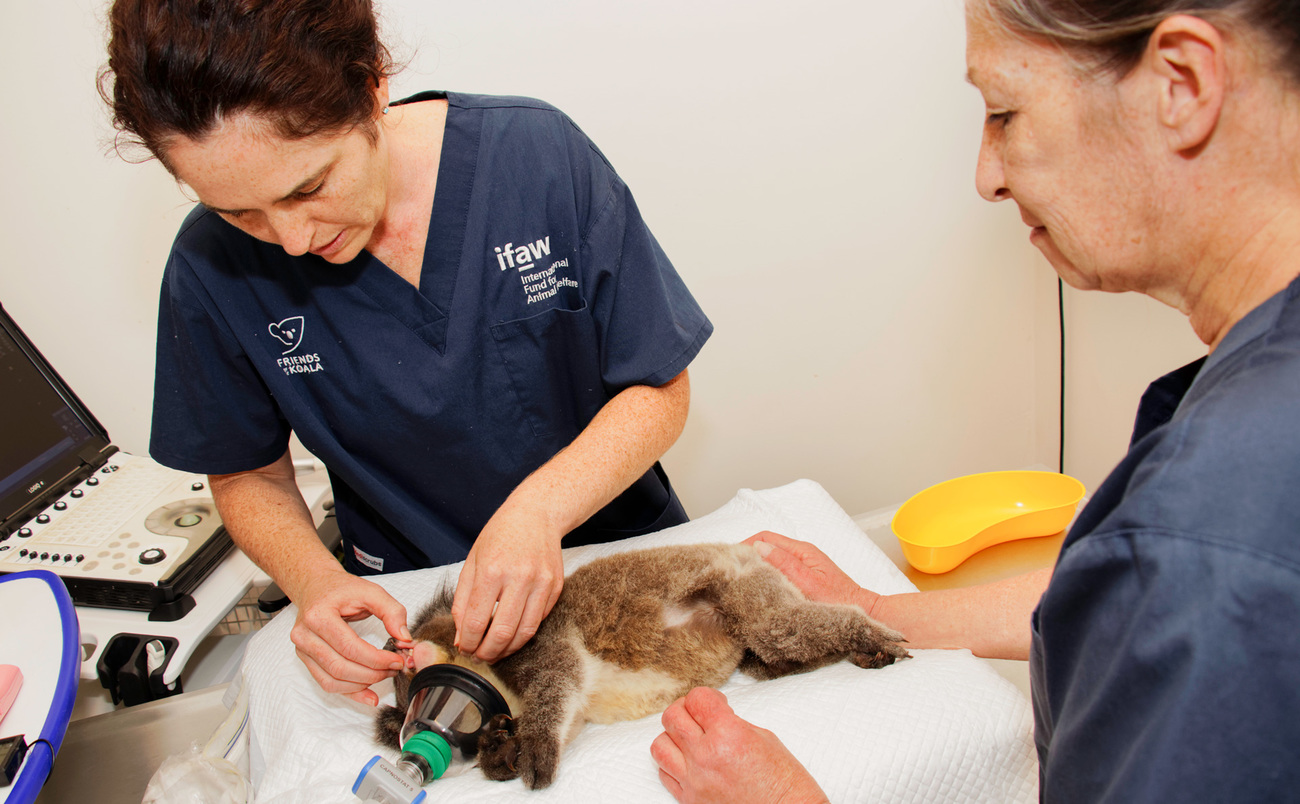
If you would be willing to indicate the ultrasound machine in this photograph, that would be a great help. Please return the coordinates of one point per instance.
(140, 547)
(122, 531)
(139, 554)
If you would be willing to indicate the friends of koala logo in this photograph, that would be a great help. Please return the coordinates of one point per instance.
(289, 333)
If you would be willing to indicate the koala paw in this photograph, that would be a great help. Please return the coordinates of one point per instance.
(537, 760)
(506, 752)
(881, 650)
(498, 750)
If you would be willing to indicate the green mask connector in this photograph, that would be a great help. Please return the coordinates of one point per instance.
(430, 752)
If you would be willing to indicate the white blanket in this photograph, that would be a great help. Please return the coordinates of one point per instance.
(940, 727)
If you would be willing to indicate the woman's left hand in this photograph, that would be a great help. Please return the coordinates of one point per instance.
(510, 581)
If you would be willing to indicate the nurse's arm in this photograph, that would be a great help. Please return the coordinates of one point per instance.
(991, 620)
(267, 518)
(515, 563)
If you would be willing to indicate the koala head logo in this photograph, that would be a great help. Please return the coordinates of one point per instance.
(288, 332)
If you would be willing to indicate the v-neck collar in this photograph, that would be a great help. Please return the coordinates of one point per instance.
(426, 310)
(1163, 397)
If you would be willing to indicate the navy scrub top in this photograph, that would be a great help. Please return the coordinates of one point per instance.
(1166, 654)
(543, 294)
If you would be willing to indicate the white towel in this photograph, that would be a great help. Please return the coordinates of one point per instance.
(942, 726)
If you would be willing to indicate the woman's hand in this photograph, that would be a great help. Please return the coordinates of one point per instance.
(510, 581)
(809, 569)
(339, 659)
(990, 620)
(708, 754)
(269, 521)
(514, 573)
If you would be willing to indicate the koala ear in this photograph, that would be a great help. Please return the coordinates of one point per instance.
(388, 726)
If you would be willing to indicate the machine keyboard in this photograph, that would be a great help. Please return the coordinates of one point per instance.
(92, 520)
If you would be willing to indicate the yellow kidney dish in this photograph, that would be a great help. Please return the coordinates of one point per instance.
(948, 523)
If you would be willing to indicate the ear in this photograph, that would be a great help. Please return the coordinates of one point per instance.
(381, 93)
(1188, 57)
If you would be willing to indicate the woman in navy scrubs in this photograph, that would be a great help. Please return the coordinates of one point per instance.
(451, 299)
(1152, 147)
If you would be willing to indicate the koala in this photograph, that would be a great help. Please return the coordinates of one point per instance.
(631, 633)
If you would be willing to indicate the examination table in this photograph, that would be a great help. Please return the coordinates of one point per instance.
(942, 726)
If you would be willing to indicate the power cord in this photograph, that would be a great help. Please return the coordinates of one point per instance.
(13, 750)
(1060, 315)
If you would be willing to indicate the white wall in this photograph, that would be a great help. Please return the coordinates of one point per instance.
(809, 168)
(1116, 345)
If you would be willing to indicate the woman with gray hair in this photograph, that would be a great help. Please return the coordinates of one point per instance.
(1151, 147)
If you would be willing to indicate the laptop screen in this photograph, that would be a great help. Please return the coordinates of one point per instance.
(49, 438)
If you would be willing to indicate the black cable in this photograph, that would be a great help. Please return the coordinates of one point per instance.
(48, 747)
(1060, 314)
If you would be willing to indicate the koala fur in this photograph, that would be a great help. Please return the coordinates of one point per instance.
(633, 632)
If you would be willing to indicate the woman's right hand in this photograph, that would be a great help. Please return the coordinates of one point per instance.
(707, 754)
(339, 659)
(269, 521)
(809, 569)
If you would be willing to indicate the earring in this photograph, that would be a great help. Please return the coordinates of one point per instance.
(385, 110)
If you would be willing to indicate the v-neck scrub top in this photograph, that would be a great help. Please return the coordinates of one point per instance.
(1165, 661)
(542, 295)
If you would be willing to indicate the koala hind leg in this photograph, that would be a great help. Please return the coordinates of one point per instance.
(784, 633)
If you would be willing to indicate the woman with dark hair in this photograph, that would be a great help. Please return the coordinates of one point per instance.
(1151, 147)
(452, 300)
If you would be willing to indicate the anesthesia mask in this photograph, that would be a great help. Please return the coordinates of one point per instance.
(450, 707)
